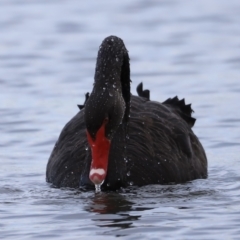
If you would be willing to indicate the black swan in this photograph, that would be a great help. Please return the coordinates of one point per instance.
(118, 139)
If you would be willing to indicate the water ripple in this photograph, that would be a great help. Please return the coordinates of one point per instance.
(47, 61)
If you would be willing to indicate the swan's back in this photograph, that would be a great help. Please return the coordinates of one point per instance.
(162, 148)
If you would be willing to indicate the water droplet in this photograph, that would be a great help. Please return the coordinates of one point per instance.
(125, 159)
(158, 162)
(127, 136)
(110, 94)
(104, 89)
(117, 59)
(131, 183)
(86, 148)
(143, 123)
(98, 188)
(128, 173)
(112, 40)
(71, 172)
(114, 85)
(165, 160)
(108, 184)
(65, 166)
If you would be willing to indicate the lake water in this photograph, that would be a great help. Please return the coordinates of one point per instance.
(47, 60)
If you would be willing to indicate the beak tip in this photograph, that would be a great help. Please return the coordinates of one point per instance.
(97, 176)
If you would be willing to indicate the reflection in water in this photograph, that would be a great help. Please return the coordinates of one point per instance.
(121, 209)
(112, 208)
(109, 203)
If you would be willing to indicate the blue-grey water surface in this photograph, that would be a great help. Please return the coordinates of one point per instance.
(48, 51)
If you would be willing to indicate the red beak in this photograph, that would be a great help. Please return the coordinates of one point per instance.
(100, 151)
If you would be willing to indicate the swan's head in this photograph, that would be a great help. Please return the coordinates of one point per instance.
(108, 103)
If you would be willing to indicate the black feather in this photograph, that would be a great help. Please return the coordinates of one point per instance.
(143, 93)
(86, 98)
(183, 110)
